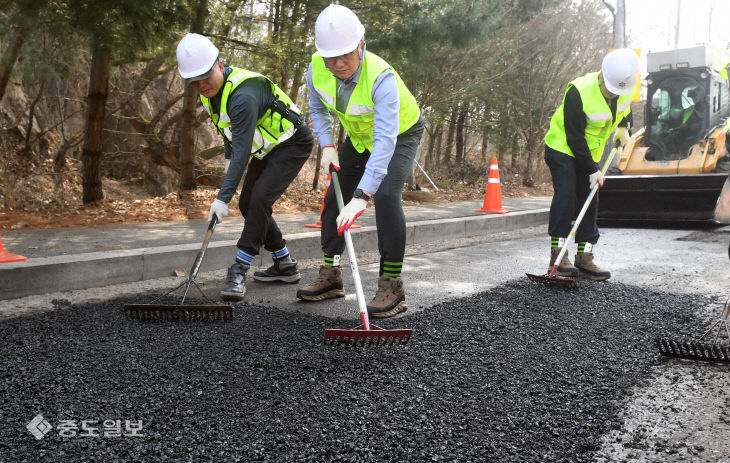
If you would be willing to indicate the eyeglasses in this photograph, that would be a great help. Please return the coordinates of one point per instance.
(331, 61)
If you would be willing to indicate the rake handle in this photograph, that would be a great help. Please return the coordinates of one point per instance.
(199, 258)
(581, 214)
(353, 259)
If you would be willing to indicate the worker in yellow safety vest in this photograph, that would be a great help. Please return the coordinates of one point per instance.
(263, 130)
(384, 128)
(593, 106)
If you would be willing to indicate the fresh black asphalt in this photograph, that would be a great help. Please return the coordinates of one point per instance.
(521, 373)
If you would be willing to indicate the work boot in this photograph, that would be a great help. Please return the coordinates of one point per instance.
(565, 268)
(588, 268)
(327, 286)
(285, 272)
(235, 283)
(389, 300)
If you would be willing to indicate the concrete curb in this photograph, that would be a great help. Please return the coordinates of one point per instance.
(95, 269)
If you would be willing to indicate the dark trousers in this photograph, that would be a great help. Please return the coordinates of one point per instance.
(389, 216)
(570, 191)
(265, 181)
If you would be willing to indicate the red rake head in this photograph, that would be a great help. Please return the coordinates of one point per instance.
(554, 280)
(361, 337)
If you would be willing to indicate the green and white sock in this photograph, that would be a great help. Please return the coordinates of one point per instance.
(585, 246)
(331, 260)
(556, 242)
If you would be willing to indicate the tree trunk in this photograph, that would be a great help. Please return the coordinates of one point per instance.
(460, 135)
(515, 153)
(450, 136)
(533, 148)
(315, 182)
(296, 83)
(485, 145)
(31, 116)
(187, 139)
(431, 149)
(439, 143)
(190, 102)
(98, 91)
(10, 57)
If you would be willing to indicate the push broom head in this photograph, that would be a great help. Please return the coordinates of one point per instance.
(161, 313)
(692, 350)
(554, 280)
(376, 336)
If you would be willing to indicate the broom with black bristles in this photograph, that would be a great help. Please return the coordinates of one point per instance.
(181, 312)
(698, 350)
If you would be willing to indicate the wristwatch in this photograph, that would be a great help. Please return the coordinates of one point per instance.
(361, 195)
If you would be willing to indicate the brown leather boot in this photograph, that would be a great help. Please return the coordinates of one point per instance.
(327, 286)
(588, 268)
(389, 300)
(565, 268)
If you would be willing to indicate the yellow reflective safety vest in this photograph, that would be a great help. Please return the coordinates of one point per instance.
(723, 71)
(275, 126)
(358, 118)
(599, 121)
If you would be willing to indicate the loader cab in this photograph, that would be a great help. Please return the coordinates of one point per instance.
(678, 112)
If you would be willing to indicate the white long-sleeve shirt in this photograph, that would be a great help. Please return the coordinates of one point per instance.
(386, 123)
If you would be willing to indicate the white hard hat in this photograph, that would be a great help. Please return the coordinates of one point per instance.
(337, 31)
(196, 55)
(620, 70)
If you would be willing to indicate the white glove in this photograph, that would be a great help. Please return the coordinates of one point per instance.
(596, 177)
(329, 156)
(349, 213)
(621, 136)
(219, 208)
(228, 163)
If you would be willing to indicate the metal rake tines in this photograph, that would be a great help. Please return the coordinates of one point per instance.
(367, 338)
(693, 350)
(146, 312)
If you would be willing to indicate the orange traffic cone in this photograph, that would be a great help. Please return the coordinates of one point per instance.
(493, 196)
(5, 256)
(319, 221)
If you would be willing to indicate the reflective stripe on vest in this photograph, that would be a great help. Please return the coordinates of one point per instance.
(358, 118)
(271, 128)
(599, 123)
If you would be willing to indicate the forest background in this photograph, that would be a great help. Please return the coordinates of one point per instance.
(96, 126)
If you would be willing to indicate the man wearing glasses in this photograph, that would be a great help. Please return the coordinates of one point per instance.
(384, 127)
